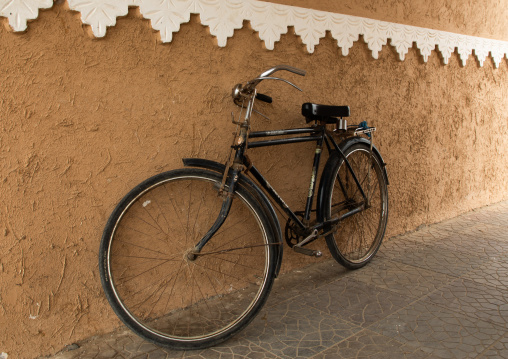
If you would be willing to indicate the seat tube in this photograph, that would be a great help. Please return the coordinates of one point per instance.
(312, 185)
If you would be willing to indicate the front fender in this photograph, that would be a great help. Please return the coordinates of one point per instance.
(255, 191)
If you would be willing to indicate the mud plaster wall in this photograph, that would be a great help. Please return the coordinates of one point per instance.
(84, 120)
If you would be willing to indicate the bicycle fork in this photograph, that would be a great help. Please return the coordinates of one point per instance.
(221, 218)
(227, 191)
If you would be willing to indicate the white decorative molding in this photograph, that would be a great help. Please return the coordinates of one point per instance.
(20, 11)
(100, 13)
(270, 20)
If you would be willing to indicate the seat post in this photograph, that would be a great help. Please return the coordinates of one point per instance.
(341, 124)
(312, 185)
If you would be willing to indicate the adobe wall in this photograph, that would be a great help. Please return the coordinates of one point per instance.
(83, 120)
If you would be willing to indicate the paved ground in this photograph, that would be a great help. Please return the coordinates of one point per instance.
(439, 292)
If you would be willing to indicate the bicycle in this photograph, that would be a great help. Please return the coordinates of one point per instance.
(188, 257)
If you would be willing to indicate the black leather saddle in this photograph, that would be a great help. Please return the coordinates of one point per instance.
(329, 114)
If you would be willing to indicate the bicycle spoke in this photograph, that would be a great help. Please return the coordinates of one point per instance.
(235, 249)
(153, 219)
(136, 230)
(151, 225)
(189, 212)
(174, 207)
(226, 252)
(199, 288)
(373, 191)
(158, 299)
(141, 257)
(148, 270)
(195, 221)
(215, 290)
(145, 300)
(224, 274)
(192, 303)
(163, 214)
(235, 263)
(138, 246)
(225, 229)
(173, 287)
(361, 242)
(351, 240)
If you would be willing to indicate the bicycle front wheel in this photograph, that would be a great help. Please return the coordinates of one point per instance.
(358, 237)
(153, 285)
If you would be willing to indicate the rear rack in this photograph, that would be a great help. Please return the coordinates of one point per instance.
(361, 131)
(345, 130)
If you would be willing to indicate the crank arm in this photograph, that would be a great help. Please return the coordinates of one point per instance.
(307, 251)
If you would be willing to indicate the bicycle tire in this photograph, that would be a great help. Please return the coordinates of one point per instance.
(152, 285)
(358, 237)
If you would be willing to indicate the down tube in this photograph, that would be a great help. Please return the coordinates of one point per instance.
(269, 189)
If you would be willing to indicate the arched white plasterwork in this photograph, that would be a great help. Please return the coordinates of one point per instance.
(270, 20)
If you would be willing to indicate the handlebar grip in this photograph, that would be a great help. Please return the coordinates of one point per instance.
(264, 98)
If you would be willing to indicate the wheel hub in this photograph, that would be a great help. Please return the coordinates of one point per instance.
(191, 255)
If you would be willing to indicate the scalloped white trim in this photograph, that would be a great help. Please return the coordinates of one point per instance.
(19, 11)
(270, 21)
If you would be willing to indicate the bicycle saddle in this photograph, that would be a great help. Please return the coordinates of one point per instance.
(329, 114)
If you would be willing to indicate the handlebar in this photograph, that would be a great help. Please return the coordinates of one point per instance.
(283, 67)
(250, 86)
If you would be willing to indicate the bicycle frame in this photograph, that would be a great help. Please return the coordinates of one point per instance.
(319, 134)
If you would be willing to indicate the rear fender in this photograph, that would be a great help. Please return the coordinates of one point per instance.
(255, 191)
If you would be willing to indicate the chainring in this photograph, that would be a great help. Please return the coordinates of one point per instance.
(292, 233)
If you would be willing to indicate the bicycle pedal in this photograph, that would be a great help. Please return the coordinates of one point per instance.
(307, 251)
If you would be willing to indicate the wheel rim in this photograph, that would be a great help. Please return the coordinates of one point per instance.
(156, 284)
(358, 237)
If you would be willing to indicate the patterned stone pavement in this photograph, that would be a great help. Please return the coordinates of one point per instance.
(439, 292)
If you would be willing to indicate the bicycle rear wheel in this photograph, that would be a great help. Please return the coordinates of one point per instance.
(359, 236)
(155, 288)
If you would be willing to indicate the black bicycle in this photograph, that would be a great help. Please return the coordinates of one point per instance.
(188, 257)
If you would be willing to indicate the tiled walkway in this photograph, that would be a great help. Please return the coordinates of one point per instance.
(439, 292)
